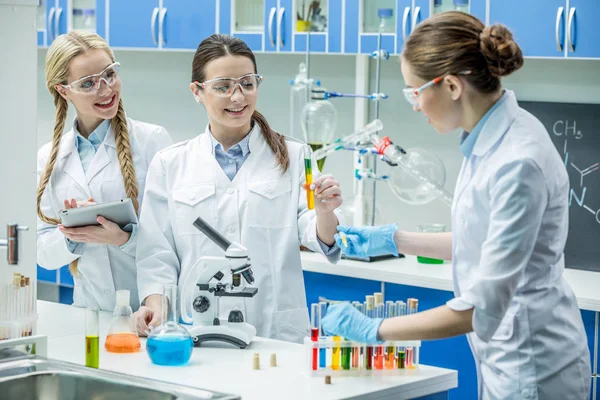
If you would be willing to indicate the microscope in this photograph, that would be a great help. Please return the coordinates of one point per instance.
(204, 300)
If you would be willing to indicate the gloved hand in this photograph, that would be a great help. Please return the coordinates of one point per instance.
(346, 321)
(367, 241)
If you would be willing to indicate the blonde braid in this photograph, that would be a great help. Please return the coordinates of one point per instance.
(119, 125)
(59, 124)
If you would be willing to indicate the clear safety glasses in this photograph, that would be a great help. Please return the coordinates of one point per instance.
(224, 87)
(412, 94)
(89, 84)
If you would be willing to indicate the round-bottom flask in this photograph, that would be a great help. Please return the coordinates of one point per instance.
(169, 343)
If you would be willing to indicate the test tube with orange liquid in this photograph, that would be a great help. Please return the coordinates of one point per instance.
(310, 194)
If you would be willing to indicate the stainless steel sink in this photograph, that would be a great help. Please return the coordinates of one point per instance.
(32, 377)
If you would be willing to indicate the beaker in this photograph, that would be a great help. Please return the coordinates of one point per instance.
(169, 343)
(430, 228)
(122, 336)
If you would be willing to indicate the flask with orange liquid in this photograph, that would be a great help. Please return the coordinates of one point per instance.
(122, 336)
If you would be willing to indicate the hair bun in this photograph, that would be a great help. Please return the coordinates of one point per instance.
(501, 52)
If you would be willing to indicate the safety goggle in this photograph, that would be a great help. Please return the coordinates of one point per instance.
(412, 94)
(91, 83)
(224, 87)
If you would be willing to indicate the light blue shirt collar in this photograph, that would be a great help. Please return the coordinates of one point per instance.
(96, 137)
(468, 139)
(244, 144)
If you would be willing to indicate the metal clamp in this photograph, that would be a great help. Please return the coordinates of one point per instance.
(12, 242)
(559, 14)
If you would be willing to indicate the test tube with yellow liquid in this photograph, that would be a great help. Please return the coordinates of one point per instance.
(92, 339)
(310, 194)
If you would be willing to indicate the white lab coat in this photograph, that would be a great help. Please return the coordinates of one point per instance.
(262, 209)
(509, 223)
(102, 268)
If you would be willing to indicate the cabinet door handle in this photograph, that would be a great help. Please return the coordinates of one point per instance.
(569, 24)
(415, 18)
(161, 21)
(270, 30)
(56, 19)
(50, 23)
(153, 25)
(279, 19)
(404, 21)
(559, 14)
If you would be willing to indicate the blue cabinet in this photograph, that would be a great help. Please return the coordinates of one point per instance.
(52, 20)
(134, 23)
(183, 24)
(453, 353)
(478, 8)
(583, 32)
(253, 21)
(404, 23)
(538, 26)
(589, 323)
(325, 26)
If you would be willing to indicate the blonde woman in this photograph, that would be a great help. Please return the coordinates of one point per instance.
(103, 157)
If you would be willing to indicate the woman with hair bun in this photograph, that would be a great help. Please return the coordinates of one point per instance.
(509, 223)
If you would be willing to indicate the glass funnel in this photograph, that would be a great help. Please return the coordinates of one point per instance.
(122, 336)
(319, 119)
(169, 343)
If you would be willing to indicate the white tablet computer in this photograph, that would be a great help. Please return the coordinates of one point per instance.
(120, 212)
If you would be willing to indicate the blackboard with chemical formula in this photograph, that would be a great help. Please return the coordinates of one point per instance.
(575, 131)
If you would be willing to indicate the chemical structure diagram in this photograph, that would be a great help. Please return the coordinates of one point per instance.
(562, 128)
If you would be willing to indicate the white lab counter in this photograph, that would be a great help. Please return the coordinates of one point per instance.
(229, 370)
(408, 271)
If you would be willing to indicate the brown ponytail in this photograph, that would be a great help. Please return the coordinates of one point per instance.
(275, 141)
(219, 45)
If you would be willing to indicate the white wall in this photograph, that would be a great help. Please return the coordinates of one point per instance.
(156, 89)
(17, 132)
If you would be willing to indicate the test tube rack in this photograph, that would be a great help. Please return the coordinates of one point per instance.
(347, 358)
(18, 317)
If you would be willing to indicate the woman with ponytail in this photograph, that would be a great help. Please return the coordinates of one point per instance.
(244, 179)
(103, 157)
(509, 223)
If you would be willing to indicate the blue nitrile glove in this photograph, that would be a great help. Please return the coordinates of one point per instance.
(346, 321)
(367, 241)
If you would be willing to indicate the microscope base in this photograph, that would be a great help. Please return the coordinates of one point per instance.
(238, 334)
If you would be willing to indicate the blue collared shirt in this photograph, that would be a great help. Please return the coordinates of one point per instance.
(468, 140)
(87, 148)
(232, 160)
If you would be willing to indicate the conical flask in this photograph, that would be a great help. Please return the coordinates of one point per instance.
(122, 336)
(170, 343)
(319, 119)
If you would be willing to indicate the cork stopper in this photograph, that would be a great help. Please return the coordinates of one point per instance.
(256, 361)
(328, 379)
(273, 360)
(413, 303)
(378, 298)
